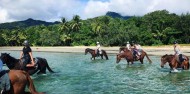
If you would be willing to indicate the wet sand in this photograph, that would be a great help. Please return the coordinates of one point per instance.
(151, 50)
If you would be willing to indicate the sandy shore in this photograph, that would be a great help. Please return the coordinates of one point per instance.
(151, 50)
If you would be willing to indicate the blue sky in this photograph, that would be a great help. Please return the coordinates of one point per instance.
(53, 10)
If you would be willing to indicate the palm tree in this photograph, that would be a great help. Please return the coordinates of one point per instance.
(76, 23)
(64, 27)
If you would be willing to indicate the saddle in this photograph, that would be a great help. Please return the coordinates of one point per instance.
(98, 52)
(181, 58)
(23, 64)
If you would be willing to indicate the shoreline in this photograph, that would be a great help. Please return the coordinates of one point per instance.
(151, 50)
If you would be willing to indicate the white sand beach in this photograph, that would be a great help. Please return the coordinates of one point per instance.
(151, 50)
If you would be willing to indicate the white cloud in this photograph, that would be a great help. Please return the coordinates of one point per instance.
(95, 8)
(3, 15)
(49, 10)
(52, 10)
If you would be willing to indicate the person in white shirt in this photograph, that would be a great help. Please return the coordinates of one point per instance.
(99, 51)
(128, 46)
(177, 52)
(4, 79)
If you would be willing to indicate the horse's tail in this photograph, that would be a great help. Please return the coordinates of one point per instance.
(50, 70)
(30, 84)
(148, 57)
(105, 54)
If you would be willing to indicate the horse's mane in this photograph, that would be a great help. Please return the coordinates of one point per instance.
(11, 59)
(89, 49)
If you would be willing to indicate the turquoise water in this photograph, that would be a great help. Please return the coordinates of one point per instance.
(77, 74)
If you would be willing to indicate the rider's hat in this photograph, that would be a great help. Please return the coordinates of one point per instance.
(26, 43)
(175, 42)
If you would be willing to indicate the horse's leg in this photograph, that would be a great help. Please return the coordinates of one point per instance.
(106, 56)
(141, 60)
(102, 56)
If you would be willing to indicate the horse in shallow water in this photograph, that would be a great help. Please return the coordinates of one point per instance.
(93, 53)
(19, 80)
(174, 63)
(17, 64)
(128, 55)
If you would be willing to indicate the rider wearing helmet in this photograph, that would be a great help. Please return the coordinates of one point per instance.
(26, 55)
(177, 52)
(128, 46)
(4, 79)
(98, 49)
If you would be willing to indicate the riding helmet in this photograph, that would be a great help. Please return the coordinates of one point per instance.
(26, 43)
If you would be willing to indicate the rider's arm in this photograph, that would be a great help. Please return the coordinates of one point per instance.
(30, 53)
(21, 54)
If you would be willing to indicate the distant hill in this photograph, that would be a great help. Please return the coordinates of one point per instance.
(117, 15)
(24, 24)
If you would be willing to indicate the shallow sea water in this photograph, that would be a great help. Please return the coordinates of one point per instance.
(77, 74)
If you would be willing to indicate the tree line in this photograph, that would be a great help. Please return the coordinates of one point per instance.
(155, 28)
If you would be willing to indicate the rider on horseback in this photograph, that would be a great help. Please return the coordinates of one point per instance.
(136, 51)
(4, 79)
(128, 46)
(26, 55)
(98, 51)
(177, 53)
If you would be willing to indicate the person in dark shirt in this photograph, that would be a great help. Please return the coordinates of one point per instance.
(26, 55)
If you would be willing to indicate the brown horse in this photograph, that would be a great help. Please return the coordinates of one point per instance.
(19, 80)
(128, 55)
(13, 63)
(93, 53)
(174, 63)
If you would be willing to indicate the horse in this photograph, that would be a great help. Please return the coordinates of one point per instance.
(173, 62)
(93, 53)
(122, 49)
(18, 81)
(17, 64)
(128, 55)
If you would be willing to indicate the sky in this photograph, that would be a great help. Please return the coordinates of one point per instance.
(54, 10)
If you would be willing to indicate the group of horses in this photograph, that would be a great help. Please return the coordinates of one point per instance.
(127, 54)
(20, 78)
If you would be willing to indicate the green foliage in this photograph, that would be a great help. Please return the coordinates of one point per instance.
(155, 28)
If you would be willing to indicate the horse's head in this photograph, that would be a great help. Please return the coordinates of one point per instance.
(166, 58)
(118, 58)
(8, 60)
(5, 57)
(86, 50)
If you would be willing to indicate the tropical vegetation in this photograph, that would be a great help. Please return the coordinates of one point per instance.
(156, 28)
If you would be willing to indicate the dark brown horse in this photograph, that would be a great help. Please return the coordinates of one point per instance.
(13, 63)
(174, 63)
(93, 53)
(128, 55)
(19, 80)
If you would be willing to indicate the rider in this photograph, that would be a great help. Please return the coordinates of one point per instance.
(136, 51)
(26, 55)
(4, 79)
(98, 48)
(128, 46)
(177, 52)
